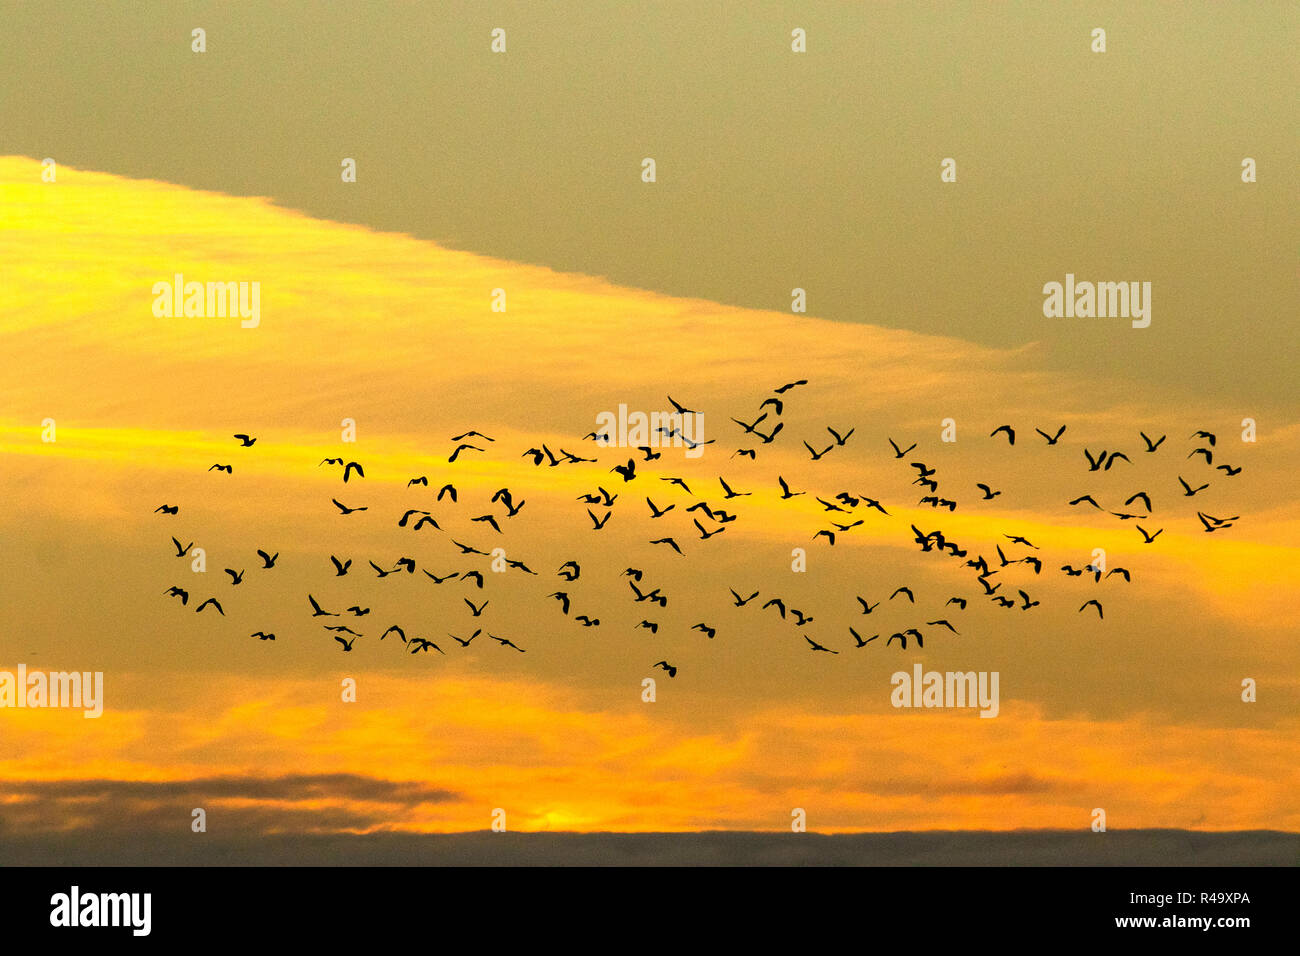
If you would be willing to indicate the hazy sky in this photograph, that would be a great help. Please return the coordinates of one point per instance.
(775, 170)
(522, 172)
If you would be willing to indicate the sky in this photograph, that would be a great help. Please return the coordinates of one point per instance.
(522, 173)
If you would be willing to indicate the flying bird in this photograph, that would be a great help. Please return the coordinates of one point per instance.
(817, 647)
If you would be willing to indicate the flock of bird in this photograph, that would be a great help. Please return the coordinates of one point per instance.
(843, 511)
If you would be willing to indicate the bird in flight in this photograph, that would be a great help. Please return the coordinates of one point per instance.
(317, 610)
(817, 455)
(505, 642)
(460, 448)
(344, 509)
(235, 578)
(228, 469)
(179, 592)
(668, 541)
(785, 388)
(858, 638)
(489, 519)
(1188, 490)
(900, 452)
(1095, 603)
(785, 489)
(908, 591)
(340, 568)
(214, 602)
(1052, 439)
(262, 636)
(182, 551)
(1152, 446)
(672, 671)
(268, 560)
(246, 441)
(472, 434)
(174, 509)
(817, 647)
(1010, 433)
(1148, 538)
(347, 645)
(732, 494)
(840, 439)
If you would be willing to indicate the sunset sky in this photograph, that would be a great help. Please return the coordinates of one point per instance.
(523, 173)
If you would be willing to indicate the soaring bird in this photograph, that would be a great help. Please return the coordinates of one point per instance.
(1152, 446)
(460, 448)
(672, 671)
(1052, 439)
(817, 647)
(317, 610)
(214, 602)
(246, 441)
(1095, 603)
(900, 452)
(1010, 433)
(858, 638)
